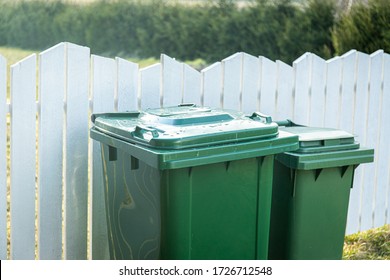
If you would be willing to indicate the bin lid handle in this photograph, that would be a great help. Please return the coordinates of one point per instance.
(145, 133)
(257, 116)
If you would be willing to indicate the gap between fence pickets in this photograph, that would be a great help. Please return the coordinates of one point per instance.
(8, 108)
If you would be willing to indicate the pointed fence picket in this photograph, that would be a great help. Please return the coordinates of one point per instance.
(23, 158)
(212, 85)
(172, 81)
(191, 85)
(75, 170)
(127, 85)
(332, 92)
(268, 80)
(51, 118)
(232, 78)
(3, 158)
(103, 92)
(150, 82)
(56, 189)
(250, 91)
(284, 90)
(382, 209)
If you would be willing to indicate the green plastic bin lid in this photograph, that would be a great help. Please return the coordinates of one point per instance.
(315, 139)
(323, 148)
(185, 126)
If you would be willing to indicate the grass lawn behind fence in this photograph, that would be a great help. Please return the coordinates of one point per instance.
(13, 55)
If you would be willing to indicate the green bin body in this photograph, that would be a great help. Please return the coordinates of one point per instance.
(188, 182)
(311, 194)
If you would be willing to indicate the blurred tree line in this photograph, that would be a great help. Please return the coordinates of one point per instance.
(277, 29)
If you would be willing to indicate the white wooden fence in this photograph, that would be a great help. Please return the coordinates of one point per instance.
(56, 198)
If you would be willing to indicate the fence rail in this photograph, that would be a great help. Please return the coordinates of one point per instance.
(52, 184)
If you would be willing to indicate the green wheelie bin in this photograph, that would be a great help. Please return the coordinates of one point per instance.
(311, 191)
(188, 182)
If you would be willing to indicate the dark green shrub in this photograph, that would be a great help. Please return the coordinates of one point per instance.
(277, 29)
(366, 27)
(30, 24)
(309, 29)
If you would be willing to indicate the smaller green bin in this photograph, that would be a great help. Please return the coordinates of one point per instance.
(188, 182)
(311, 191)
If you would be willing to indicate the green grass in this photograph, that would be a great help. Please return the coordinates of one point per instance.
(372, 244)
(14, 55)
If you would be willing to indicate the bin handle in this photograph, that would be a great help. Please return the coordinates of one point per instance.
(186, 105)
(287, 123)
(141, 131)
(261, 117)
(127, 114)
